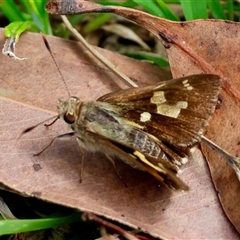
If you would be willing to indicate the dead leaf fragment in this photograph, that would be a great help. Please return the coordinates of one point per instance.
(126, 33)
(144, 204)
(210, 46)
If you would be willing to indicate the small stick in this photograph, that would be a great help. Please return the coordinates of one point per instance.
(115, 228)
(95, 53)
(234, 162)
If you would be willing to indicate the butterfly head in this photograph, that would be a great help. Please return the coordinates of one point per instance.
(68, 109)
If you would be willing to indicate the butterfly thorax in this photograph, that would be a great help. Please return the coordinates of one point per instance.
(100, 120)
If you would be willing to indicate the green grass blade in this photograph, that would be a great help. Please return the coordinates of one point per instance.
(76, 19)
(19, 226)
(167, 12)
(152, 57)
(36, 9)
(151, 7)
(194, 9)
(216, 9)
(14, 29)
(230, 10)
(128, 3)
(11, 11)
(97, 22)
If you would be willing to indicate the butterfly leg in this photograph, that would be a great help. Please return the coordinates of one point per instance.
(115, 167)
(65, 135)
(82, 160)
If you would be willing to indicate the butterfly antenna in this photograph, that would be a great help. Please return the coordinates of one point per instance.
(38, 124)
(54, 60)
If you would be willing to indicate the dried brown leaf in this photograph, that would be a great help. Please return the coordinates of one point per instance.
(54, 175)
(210, 46)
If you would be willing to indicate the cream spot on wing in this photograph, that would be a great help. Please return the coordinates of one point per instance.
(159, 168)
(187, 85)
(133, 124)
(179, 172)
(171, 110)
(158, 97)
(167, 110)
(145, 116)
(184, 160)
(182, 104)
(193, 149)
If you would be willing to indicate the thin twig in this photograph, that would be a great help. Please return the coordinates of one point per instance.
(115, 228)
(79, 37)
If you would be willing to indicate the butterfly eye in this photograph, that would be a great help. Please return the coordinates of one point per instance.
(69, 118)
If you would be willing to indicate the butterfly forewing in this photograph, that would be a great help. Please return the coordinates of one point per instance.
(176, 111)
